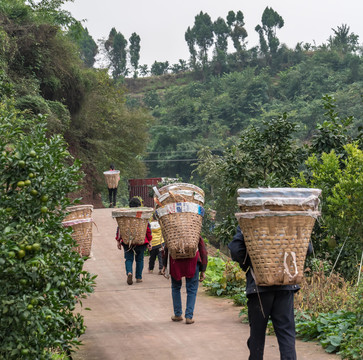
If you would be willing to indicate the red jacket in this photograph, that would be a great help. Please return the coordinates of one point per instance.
(148, 236)
(186, 267)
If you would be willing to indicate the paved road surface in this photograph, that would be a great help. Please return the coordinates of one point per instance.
(133, 322)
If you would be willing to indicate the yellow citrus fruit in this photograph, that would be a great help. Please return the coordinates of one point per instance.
(21, 183)
(33, 192)
(44, 209)
(21, 253)
(27, 182)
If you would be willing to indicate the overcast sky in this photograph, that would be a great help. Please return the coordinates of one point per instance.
(161, 24)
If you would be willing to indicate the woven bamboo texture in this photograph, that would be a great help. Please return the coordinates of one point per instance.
(82, 232)
(181, 232)
(78, 212)
(112, 178)
(245, 208)
(132, 229)
(269, 238)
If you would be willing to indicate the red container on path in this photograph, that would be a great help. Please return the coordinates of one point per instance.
(143, 188)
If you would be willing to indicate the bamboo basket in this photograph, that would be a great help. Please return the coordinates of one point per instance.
(80, 219)
(132, 223)
(112, 178)
(179, 192)
(181, 224)
(277, 225)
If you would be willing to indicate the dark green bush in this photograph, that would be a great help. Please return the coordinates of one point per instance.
(42, 278)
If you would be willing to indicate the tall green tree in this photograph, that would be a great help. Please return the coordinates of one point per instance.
(237, 31)
(271, 21)
(87, 46)
(221, 32)
(115, 46)
(203, 32)
(134, 51)
(191, 42)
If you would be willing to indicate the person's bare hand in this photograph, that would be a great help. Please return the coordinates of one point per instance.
(119, 245)
(202, 276)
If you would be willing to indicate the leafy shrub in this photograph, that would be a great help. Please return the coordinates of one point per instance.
(42, 278)
(225, 278)
(337, 332)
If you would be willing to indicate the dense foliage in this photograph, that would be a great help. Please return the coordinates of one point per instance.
(42, 278)
(45, 55)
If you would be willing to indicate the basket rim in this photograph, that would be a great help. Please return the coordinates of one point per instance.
(111, 172)
(143, 212)
(79, 207)
(176, 185)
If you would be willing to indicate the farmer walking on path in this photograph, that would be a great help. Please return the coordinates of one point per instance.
(122, 325)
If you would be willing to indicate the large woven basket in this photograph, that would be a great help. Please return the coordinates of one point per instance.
(277, 225)
(179, 192)
(132, 223)
(112, 178)
(277, 243)
(80, 219)
(181, 224)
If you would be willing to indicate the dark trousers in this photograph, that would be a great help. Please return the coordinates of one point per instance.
(112, 193)
(279, 306)
(155, 252)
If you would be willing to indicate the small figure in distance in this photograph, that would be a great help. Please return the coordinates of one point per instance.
(112, 192)
(157, 244)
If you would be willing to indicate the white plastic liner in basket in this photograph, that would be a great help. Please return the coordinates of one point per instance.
(278, 192)
(195, 195)
(180, 208)
(176, 186)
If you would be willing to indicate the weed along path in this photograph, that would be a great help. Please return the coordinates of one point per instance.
(133, 322)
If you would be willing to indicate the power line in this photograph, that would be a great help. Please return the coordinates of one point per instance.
(171, 160)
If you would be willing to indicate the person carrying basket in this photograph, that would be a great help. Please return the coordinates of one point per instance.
(193, 269)
(134, 252)
(112, 190)
(264, 302)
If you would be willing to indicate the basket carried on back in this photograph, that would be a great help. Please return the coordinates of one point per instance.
(277, 240)
(132, 223)
(80, 219)
(112, 178)
(181, 224)
(179, 192)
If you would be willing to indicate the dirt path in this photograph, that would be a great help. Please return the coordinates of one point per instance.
(133, 322)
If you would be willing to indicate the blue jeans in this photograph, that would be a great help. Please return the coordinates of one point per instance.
(136, 252)
(192, 289)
